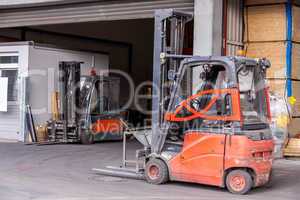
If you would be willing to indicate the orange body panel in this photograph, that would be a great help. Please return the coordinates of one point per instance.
(201, 159)
(107, 126)
(205, 157)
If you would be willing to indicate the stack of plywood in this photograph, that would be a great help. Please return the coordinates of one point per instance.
(273, 31)
(294, 127)
(293, 148)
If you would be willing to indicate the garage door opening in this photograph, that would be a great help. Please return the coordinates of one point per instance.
(129, 46)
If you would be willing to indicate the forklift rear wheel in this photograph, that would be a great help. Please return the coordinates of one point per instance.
(156, 172)
(239, 182)
(87, 138)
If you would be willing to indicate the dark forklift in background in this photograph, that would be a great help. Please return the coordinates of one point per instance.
(88, 108)
(210, 121)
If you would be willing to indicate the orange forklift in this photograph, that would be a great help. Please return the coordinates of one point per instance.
(210, 121)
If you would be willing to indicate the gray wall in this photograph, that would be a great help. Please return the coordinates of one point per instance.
(208, 17)
(43, 75)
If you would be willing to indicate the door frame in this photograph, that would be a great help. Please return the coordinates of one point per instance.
(18, 102)
(12, 67)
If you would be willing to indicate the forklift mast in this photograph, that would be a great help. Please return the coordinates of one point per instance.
(69, 79)
(69, 96)
(168, 50)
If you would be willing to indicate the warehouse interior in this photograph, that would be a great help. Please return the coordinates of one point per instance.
(129, 44)
(128, 51)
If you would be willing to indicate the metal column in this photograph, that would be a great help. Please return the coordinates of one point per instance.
(208, 27)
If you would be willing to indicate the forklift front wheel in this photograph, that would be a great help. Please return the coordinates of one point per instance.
(156, 172)
(239, 182)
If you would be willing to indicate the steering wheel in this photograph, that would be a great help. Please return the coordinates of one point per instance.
(196, 102)
(205, 99)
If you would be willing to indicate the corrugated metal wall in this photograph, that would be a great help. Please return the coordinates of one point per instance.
(234, 27)
(10, 123)
(99, 11)
(19, 2)
(29, 3)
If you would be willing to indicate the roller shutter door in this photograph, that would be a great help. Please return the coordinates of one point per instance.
(87, 12)
(234, 38)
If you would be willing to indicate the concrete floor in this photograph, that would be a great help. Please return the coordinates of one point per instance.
(63, 172)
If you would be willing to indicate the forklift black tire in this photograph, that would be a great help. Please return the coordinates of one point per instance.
(239, 182)
(156, 172)
(87, 138)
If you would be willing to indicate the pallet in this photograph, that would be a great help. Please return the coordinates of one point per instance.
(287, 154)
(294, 127)
(44, 143)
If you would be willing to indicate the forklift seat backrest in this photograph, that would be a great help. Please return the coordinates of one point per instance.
(221, 80)
(205, 99)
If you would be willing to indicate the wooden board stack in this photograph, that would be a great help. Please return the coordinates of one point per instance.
(272, 30)
(294, 127)
(293, 148)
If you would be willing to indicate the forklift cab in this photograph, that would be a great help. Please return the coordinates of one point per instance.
(212, 94)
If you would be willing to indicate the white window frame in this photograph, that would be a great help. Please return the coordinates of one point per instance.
(11, 66)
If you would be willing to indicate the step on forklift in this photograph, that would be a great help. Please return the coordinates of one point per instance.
(210, 122)
(88, 107)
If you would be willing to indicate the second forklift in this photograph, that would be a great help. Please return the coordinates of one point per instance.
(89, 108)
